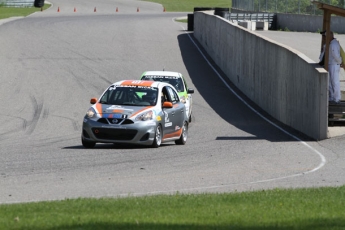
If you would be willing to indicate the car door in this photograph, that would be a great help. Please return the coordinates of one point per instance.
(174, 117)
(189, 99)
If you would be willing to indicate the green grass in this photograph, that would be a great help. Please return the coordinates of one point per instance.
(279, 209)
(7, 12)
(188, 5)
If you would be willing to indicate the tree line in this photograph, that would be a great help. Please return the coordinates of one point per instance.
(284, 6)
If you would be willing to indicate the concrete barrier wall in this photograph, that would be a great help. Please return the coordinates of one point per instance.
(282, 81)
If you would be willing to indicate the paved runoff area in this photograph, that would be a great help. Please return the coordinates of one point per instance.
(305, 42)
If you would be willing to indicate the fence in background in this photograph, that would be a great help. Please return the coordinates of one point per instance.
(271, 18)
(284, 6)
(17, 3)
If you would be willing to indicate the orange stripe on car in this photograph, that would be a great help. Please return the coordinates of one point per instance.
(99, 108)
(137, 83)
(118, 111)
(174, 134)
(139, 111)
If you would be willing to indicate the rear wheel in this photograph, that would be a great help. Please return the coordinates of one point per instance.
(184, 135)
(88, 144)
(158, 137)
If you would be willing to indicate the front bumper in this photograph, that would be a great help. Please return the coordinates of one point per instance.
(142, 132)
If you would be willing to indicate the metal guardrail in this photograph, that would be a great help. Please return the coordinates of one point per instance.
(256, 17)
(17, 3)
(264, 17)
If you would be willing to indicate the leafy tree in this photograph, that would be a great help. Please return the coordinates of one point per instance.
(284, 6)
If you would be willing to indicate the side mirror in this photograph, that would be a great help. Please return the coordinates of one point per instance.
(167, 104)
(93, 100)
(190, 91)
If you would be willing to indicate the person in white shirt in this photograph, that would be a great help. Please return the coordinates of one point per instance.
(334, 64)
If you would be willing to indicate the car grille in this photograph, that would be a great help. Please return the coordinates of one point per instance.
(119, 121)
(114, 134)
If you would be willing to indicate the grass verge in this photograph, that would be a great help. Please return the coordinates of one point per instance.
(278, 209)
(7, 12)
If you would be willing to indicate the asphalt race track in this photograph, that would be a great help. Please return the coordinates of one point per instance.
(53, 62)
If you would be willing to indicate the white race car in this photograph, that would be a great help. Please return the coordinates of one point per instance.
(177, 80)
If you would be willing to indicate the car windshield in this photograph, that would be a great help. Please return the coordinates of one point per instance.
(130, 95)
(174, 81)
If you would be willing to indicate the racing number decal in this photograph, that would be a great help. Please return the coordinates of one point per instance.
(167, 123)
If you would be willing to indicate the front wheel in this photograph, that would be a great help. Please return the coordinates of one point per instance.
(184, 135)
(158, 137)
(88, 144)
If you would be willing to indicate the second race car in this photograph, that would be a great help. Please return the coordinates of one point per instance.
(177, 80)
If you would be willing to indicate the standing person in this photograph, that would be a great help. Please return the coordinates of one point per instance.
(334, 64)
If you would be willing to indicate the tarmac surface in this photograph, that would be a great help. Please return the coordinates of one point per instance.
(305, 42)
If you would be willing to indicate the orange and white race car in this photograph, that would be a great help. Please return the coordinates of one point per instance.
(136, 112)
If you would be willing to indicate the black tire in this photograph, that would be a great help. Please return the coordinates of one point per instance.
(190, 118)
(221, 11)
(184, 135)
(190, 22)
(158, 137)
(227, 9)
(38, 3)
(88, 144)
(203, 8)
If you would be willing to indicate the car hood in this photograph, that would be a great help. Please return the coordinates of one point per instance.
(118, 111)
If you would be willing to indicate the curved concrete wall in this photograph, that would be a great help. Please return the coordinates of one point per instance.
(285, 83)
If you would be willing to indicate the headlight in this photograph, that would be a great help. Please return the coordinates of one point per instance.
(91, 113)
(145, 116)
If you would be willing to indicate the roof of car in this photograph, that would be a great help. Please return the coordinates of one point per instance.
(163, 73)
